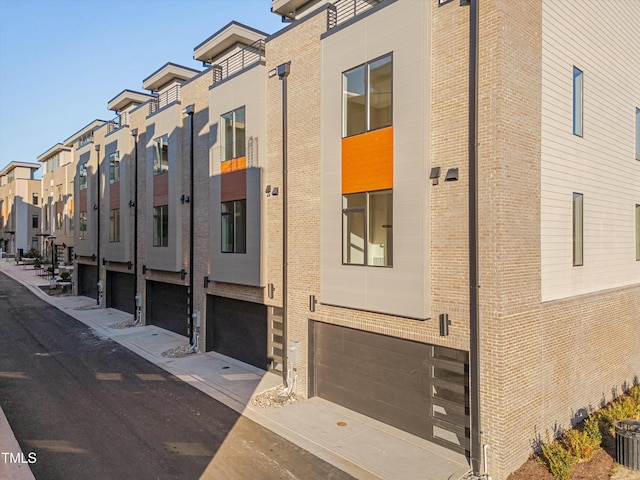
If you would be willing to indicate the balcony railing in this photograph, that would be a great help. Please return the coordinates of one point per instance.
(119, 121)
(165, 98)
(344, 10)
(236, 63)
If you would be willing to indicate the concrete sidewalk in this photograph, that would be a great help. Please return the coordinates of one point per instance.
(364, 448)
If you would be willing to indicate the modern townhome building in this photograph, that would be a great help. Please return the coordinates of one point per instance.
(20, 198)
(427, 212)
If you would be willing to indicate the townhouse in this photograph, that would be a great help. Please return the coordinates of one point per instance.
(427, 212)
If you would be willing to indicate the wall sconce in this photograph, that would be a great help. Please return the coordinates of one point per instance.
(96, 148)
(268, 190)
(444, 324)
(274, 192)
(104, 261)
(132, 203)
(270, 290)
(206, 282)
(183, 274)
(435, 175)
(144, 269)
(184, 198)
(188, 110)
(75, 256)
(452, 175)
(95, 206)
(312, 303)
(134, 132)
(93, 257)
(129, 265)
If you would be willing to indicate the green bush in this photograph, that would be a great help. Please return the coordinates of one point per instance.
(582, 443)
(558, 459)
(65, 276)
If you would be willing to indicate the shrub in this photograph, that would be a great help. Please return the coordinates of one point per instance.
(558, 459)
(65, 276)
(582, 443)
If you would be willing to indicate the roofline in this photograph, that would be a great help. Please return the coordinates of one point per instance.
(56, 147)
(233, 22)
(166, 65)
(13, 165)
(72, 137)
(130, 91)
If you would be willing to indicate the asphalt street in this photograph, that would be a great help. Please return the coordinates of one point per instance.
(85, 407)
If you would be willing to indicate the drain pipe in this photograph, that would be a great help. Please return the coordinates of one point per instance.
(474, 327)
(283, 72)
(188, 110)
(99, 286)
(137, 297)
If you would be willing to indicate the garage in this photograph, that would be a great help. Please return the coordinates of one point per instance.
(416, 387)
(121, 291)
(88, 280)
(168, 307)
(237, 329)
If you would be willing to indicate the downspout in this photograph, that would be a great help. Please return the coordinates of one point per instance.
(134, 134)
(474, 328)
(189, 111)
(99, 286)
(283, 73)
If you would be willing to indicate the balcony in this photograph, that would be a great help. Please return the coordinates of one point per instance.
(344, 10)
(164, 98)
(119, 121)
(248, 56)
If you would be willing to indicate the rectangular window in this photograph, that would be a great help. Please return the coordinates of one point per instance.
(161, 226)
(35, 221)
(59, 193)
(161, 155)
(578, 225)
(34, 199)
(114, 225)
(34, 243)
(82, 223)
(577, 101)
(637, 133)
(638, 232)
(82, 173)
(367, 228)
(59, 220)
(234, 226)
(233, 134)
(367, 102)
(114, 167)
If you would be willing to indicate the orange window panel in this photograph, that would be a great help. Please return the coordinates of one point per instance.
(234, 165)
(367, 161)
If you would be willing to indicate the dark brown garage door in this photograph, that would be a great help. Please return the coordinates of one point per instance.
(88, 280)
(238, 329)
(121, 291)
(416, 387)
(167, 306)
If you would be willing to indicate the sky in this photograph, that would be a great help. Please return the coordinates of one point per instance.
(61, 61)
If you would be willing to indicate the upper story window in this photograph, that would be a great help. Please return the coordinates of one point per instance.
(82, 223)
(34, 199)
(114, 167)
(161, 226)
(234, 226)
(52, 163)
(578, 229)
(233, 134)
(11, 176)
(577, 101)
(59, 193)
(82, 173)
(161, 155)
(114, 225)
(367, 100)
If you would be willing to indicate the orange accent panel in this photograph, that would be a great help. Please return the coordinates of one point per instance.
(72, 206)
(367, 161)
(234, 165)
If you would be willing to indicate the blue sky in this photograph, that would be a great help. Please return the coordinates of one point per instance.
(61, 61)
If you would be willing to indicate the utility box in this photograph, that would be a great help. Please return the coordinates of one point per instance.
(293, 351)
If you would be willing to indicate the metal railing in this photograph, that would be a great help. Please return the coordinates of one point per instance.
(236, 63)
(165, 98)
(344, 10)
(119, 121)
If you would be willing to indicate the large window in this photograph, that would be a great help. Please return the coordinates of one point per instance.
(234, 226)
(114, 167)
(34, 199)
(161, 226)
(35, 221)
(82, 173)
(366, 97)
(161, 155)
(577, 101)
(367, 228)
(114, 225)
(82, 223)
(578, 234)
(233, 134)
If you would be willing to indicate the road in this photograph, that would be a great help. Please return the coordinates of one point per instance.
(85, 407)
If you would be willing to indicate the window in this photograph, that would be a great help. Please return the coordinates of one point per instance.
(11, 176)
(114, 225)
(638, 232)
(367, 233)
(34, 243)
(578, 221)
(366, 97)
(82, 222)
(161, 226)
(637, 133)
(577, 101)
(35, 221)
(114, 167)
(82, 173)
(59, 192)
(161, 155)
(234, 226)
(233, 134)
(34, 199)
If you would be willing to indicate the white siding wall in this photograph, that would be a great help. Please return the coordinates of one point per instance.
(602, 39)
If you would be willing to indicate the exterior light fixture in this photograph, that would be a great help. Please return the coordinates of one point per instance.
(435, 175)
(134, 132)
(206, 282)
(452, 175)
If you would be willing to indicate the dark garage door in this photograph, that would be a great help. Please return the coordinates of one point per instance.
(416, 387)
(88, 280)
(237, 329)
(167, 306)
(121, 291)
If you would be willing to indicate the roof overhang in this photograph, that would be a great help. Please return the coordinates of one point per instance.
(13, 165)
(92, 126)
(232, 34)
(166, 74)
(57, 148)
(126, 98)
(287, 8)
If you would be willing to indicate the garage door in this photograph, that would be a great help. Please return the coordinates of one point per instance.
(238, 329)
(416, 387)
(88, 281)
(167, 307)
(121, 291)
